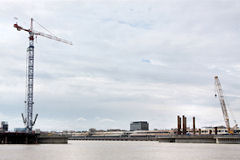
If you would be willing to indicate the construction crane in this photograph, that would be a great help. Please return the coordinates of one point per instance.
(28, 118)
(223, 106)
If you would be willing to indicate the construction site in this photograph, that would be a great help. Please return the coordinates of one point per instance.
(180, 134)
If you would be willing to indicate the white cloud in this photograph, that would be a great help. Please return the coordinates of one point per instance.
(81, 119)
(104, 120)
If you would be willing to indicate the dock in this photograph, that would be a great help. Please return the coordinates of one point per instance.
(18, 138)
(31, 138)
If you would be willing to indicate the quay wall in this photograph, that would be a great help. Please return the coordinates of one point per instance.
(195, 139)
(234, 139)
(114, 138)
(52, 139)
(227, 139)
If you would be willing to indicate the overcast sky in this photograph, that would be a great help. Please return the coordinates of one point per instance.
(131, 60)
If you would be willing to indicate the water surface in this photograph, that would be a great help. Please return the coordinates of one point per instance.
(120, 150)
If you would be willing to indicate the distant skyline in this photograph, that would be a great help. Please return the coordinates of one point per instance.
(130, 60)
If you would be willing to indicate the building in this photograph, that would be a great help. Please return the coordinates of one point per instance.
(20, 130)
(4, 126)
(139, 125)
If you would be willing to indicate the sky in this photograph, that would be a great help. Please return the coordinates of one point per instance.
(130, 60)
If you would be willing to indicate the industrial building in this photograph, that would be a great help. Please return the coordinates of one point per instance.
(139, 125)
(4, 126)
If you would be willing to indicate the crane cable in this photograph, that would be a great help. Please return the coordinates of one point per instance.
(44, 28)
(230, 110)
(26, 81)
(228, 106)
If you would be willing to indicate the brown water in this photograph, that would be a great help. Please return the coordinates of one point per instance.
(120, 150)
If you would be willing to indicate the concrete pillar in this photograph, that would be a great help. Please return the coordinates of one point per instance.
(5, 139)
(26, 139)
(36, 140)
(194, 127)
(178, 125)
(216, 130)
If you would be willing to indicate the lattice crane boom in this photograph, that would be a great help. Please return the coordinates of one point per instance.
(222, 102)
(28, 118)
(52, 37)
(19, 28)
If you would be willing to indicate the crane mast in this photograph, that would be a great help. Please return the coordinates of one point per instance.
(222, 102)
(28, 118)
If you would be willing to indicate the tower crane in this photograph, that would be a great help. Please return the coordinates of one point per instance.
(28, 118)
(223, 105)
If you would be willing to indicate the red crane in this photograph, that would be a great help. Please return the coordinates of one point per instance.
(28, 118)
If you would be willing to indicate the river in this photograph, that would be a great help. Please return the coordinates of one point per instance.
(120, 150)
